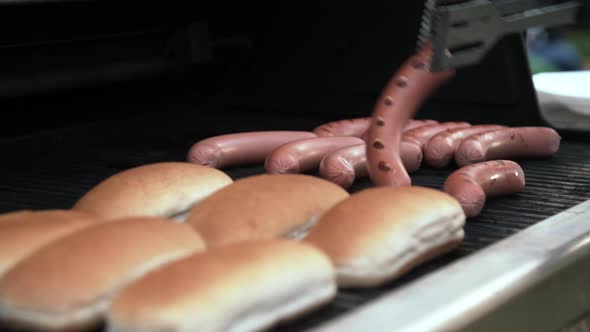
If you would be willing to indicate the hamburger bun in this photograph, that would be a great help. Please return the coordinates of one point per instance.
(264, 207)
(67, 284)
(167, 189)
(380, 233)
(249, 286)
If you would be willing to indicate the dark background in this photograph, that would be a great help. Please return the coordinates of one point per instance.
(67, 63)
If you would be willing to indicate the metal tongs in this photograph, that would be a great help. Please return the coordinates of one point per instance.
(461, 32)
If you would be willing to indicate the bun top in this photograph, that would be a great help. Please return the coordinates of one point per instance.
(372, 221)
(20, 217)
(156, 190)
(264, 207)
(206, 290)
(13, 216)
(22, 232)
(81, 268)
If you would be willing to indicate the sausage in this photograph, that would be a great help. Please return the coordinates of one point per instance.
(241, 148)
(349, 127)
(345, 165)
(509, 143)
(413, 124)
(357, 127)
(421, 135)
(399, 101)
(471, 184)
(440, 149)
(305, 155)
(410, 125)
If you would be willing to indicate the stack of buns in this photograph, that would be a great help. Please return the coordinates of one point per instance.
(182, 247)
(67, 284)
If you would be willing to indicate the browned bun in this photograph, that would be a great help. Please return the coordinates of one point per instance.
(264, 207)
(380, 233)
(22, 232)
(167, 189)
(248, 286)
(68, 283)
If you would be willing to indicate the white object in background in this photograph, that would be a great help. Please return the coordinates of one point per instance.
(569, 89)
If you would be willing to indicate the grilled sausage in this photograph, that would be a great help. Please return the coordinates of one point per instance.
(304, 155)
(421, 135)
(440, 149)
(471, 184)
(241, 148)
(358, 127)
(345, 165)
(509, 143)
(399, 101)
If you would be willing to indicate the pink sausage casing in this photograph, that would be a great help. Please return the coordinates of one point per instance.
(349, 127)
(440, 149)
(409, 87)
(305, 155)
(241, 148)
(509, 143)
(471, 184)
(413, 124)
(357, 127)
(421, 135)
(410, 125)
(345, 165)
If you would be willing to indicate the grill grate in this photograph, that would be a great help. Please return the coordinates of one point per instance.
(552, 186)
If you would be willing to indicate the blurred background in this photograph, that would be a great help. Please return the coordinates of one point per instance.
(560, 49)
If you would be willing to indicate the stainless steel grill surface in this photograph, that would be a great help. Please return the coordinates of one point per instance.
(57, 180)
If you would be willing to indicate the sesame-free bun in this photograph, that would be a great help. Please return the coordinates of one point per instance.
(167, 189)
(248, 286)
(22, 232)
(264, 207)
(380, 233)
(67, 284)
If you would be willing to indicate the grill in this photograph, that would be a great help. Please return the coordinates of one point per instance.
(230, 66)
(58, 177)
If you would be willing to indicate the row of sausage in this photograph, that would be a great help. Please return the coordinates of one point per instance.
(337, 151)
